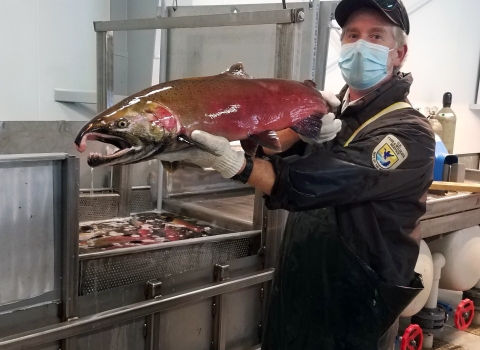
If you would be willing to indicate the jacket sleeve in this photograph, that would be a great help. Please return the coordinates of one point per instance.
(348, 175)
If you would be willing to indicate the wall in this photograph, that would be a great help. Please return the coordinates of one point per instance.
(47, 44)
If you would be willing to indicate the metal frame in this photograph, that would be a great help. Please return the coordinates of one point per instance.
(221, 273)
(288, 44)
(66, 228)
(94, 322)
(220, 238)
(286, 66)
(327, 10)
(224, 20)
(70, 262)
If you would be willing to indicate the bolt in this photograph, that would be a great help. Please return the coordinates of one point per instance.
(301, 16)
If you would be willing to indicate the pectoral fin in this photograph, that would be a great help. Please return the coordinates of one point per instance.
(268, 139)
(309, 127)
(249, 146)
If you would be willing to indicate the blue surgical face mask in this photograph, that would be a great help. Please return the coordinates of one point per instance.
(363, 64)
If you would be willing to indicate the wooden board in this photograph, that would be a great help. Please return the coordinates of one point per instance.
(455, 186)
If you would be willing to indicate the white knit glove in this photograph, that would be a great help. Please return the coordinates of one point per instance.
(331, 99)
(328, 131)
(227, 161)
(330, 125)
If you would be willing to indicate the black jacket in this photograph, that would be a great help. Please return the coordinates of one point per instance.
(377, 210)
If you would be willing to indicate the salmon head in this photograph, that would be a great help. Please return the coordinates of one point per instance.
(140, 128)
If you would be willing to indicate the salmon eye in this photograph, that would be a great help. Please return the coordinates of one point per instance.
(122, 123)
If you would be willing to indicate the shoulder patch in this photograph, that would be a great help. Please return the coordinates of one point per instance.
(389, 153)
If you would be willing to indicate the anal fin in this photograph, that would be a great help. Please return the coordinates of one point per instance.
(268, 139)
(249, 146)
(309, 127)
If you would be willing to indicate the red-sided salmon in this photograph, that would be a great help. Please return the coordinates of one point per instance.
(231, 104)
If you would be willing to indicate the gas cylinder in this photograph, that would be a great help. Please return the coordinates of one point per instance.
(434, 123)
(448, 119)
(436, 126)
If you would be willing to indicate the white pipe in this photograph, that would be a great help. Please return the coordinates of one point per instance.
(476, 318)
(427, 341)
(438, 263)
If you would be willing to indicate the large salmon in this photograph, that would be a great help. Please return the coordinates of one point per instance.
(231, 104)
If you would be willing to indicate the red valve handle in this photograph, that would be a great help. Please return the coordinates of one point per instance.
(464, 314)
(412, 339)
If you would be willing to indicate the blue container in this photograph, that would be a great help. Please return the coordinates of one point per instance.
(441, 158)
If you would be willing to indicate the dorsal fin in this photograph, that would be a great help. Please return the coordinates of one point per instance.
(310, 83)
(237, 70)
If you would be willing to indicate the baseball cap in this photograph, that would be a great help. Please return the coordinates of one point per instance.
(394, 11)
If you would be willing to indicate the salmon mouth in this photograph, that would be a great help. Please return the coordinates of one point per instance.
(124, 151)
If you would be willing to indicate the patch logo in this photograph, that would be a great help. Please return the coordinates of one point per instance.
(389, 153)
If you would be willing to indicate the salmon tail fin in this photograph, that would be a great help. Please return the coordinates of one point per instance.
(170, 167)
(310, 83)
(249, 146)
(310, 126)
(268, 139)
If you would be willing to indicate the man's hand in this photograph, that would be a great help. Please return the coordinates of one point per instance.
(330, 125)
(328, 131)
(331, 99)
(222, 158)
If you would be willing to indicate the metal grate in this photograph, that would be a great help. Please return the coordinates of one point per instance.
(108, 273)
(141, 201)
(93, 207)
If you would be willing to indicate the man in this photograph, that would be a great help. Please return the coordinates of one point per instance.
(346, 268)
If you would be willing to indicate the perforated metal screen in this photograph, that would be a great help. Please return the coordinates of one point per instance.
(98, 208)
(102, 274)
(141, 201)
